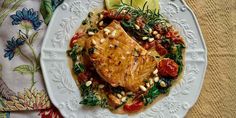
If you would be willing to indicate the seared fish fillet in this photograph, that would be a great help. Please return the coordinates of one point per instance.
(118, 59)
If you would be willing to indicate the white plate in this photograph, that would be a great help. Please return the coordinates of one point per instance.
(63, 91)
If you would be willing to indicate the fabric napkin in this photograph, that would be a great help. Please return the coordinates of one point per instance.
(22, 28)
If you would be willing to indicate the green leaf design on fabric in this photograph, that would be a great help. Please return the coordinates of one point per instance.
(1, 104)
(6, 4)
(4, 114)
(47, 8)
(24, 69)
(33, 37)
(15, 5)
(0, 70)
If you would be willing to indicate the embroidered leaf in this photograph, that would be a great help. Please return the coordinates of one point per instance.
(47, 7)
(24, 69)
(46, 10)
(6, 4)
(0, 70)
(13, 8)
(33, 37)
(5, 115)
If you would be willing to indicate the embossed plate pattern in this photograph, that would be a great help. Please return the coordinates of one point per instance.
(65, 94)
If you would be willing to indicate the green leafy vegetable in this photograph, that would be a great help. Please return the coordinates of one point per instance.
(90, 14)
(78, 68)
(90, 98)
(150, 17)
(177, 56)
(95, 30)
(91, 50)
(84, 22)
(151, 95)
(73, 53)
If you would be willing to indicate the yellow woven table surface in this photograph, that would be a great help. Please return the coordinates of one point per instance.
(217, 19)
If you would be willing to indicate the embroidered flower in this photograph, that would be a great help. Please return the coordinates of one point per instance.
(11, 47)
(26, 18)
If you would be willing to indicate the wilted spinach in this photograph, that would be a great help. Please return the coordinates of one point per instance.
(78, 68)
(177, 56)
(89, 97)
(151, 95)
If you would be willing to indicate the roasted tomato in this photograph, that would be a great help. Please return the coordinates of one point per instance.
(168, 68)
(134, 107)
(148, 45)
(75, 38)
(161, 50)
(140, 22)
(111, 14)
(168, 35)
(178, 40)
(84, 76)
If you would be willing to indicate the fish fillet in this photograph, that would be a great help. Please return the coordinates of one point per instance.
(118, 59)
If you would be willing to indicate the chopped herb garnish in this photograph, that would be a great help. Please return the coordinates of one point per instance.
(90, 14)
(117, 89)
(91, 50)
(145, 80)
(150, 18)
(84, 22)
(78, 68)
(73, 53)
(95, 30)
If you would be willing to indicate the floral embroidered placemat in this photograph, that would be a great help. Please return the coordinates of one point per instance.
(23, 24)
(22, 85)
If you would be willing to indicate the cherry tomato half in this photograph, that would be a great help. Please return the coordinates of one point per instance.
(84, 76)
(168, 68)
(75, 38)
(136, 106)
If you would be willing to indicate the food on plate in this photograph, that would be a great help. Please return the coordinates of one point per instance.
(118, 59)
(124, 57)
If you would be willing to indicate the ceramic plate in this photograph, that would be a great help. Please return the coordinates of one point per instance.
(63, 90)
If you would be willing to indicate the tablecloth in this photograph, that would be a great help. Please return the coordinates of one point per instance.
(217, 19)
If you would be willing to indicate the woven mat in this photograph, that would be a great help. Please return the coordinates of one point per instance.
(217, 19)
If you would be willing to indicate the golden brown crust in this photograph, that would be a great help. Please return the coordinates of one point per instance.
(118, 59)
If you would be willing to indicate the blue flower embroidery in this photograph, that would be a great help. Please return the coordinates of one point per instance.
(26, 18)
(11, 47)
